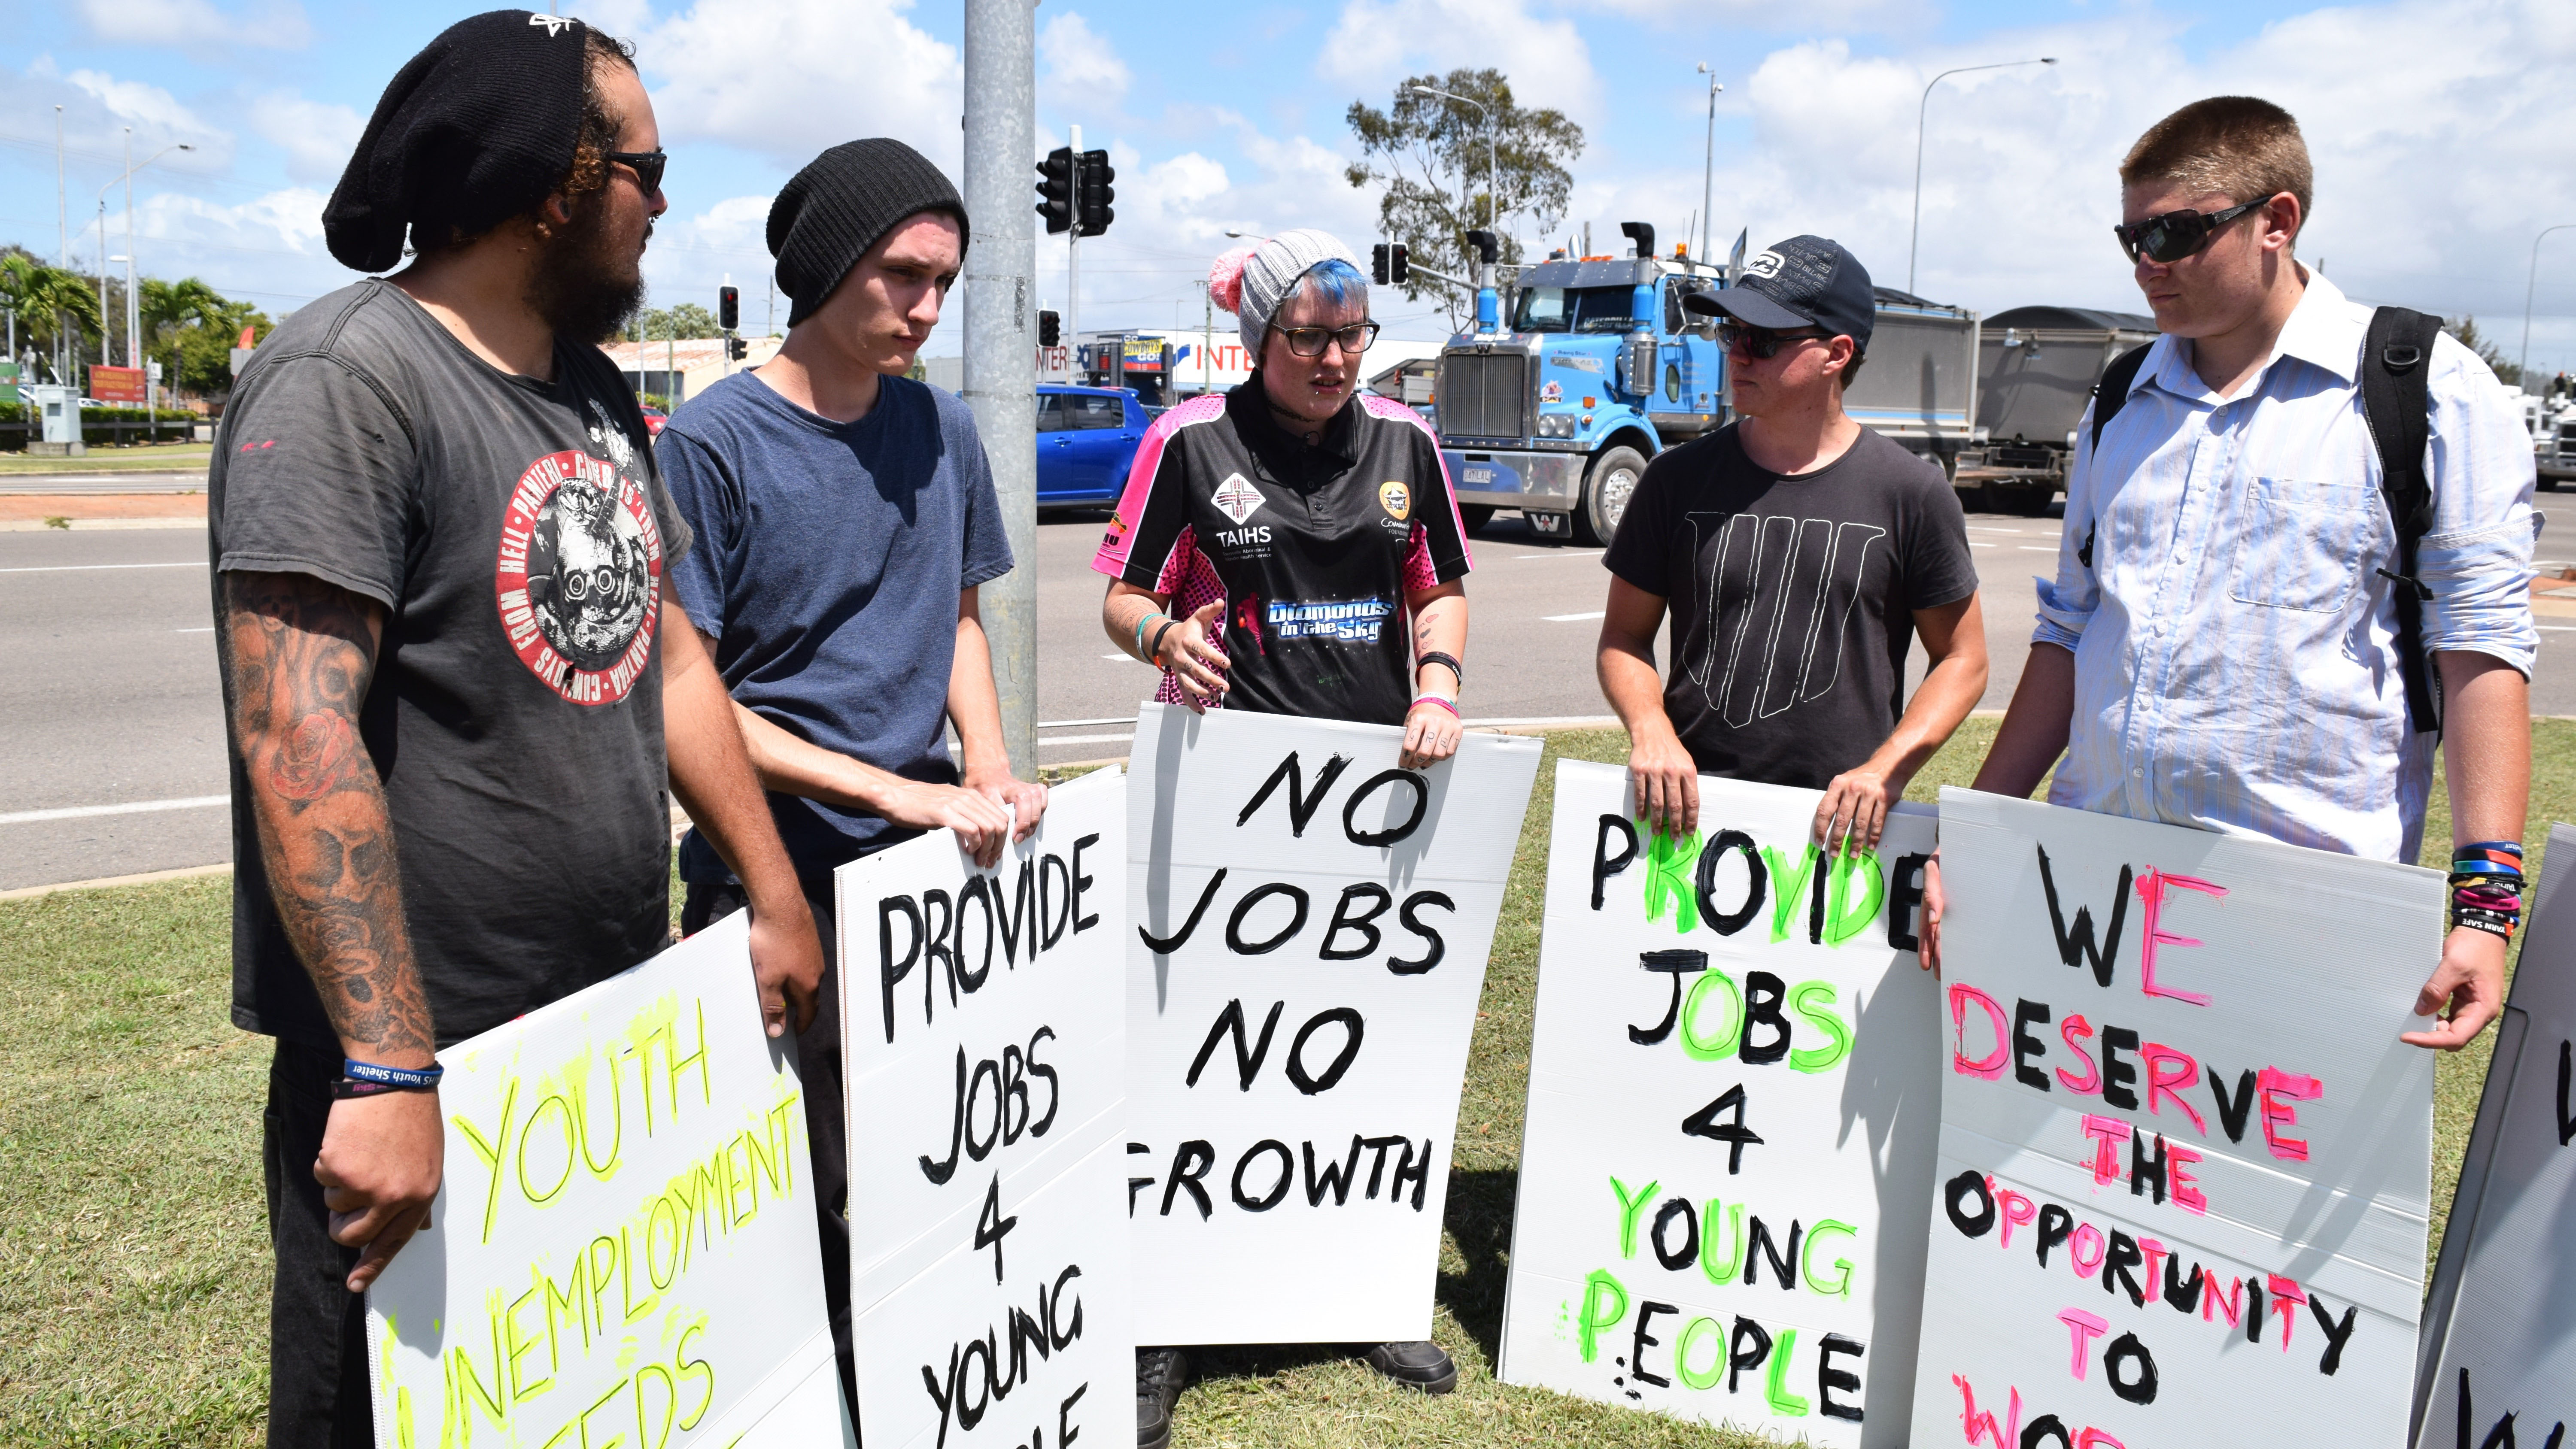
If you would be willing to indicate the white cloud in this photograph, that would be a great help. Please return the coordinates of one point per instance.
(1811, 15)
(784, 78)
(317, 137)
(1376, 43)
(1078, 62)
(271, 24)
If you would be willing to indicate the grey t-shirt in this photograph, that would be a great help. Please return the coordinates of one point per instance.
(829, 562)
(517, 536)
(1791, 598)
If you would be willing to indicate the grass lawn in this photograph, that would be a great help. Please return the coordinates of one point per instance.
(106, 458)
(133, 1254)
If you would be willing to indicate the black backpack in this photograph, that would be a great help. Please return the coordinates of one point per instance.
(2396, 401)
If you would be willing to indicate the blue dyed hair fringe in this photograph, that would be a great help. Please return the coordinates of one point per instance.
(1335, 280)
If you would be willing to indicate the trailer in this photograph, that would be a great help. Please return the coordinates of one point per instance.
(2037, 368)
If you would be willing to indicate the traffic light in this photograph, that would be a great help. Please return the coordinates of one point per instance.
(1055, 189)
(1377, 264)
(1094, 193)
(1050, 330)
(736, 348)
(728, 308)
(1399, 264)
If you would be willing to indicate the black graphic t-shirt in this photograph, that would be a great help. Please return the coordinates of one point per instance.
(1313, 550)
(1791, 598)
(516, 534)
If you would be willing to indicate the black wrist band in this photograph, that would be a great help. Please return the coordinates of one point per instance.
(344, 1089)
(1154, 652)
(1446, 661)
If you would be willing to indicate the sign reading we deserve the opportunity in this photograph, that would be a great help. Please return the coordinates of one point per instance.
(623, 1249)
(1734, 1099)
(2185, 1161)
(1310, 924)
(984, 1032)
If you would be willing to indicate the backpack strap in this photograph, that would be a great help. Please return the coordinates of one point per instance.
(2396, 401)
(2111, 394)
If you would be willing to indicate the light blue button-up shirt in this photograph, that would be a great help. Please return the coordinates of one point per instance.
(2235, 647)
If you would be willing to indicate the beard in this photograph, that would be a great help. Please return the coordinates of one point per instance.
(587, 283)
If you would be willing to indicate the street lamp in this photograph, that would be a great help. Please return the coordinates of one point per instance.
(1708, 166)
(1493, 172)
(133, 312)
(1919, 113)
(2527, 289)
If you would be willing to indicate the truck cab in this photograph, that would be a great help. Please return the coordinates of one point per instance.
(1555, 409)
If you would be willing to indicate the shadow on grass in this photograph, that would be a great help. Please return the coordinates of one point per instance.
(1480, 1222)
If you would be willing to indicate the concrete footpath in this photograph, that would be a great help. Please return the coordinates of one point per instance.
(28, 511)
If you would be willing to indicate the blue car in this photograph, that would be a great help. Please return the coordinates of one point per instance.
(1087, 439)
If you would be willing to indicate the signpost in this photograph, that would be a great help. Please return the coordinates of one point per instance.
(117, 384)
(1310, 926)
(1734, 1100)
(624, 1246)
(2185, 1160)
(986, 1045)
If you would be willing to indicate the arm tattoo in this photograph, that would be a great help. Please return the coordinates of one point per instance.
(297, 655)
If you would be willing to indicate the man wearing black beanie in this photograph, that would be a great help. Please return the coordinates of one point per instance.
(440, 554)
(845, 516)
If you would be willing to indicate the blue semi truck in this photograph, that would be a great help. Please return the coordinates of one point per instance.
(1556, 409)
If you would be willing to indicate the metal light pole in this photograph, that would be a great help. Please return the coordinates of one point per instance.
(1708, 167)
(133, 314)
(1493, 173)
(2528, 288)
(1001, 275)
(1920, 111)
(1073, 246)
(62, 239)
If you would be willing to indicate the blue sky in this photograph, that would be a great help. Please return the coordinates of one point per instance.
(2439, 128)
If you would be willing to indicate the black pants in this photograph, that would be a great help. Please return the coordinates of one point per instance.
(818, 1058)
(317, 1328)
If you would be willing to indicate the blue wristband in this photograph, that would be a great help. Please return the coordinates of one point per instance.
(358, 1071)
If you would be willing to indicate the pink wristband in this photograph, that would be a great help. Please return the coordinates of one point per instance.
(1435, 699)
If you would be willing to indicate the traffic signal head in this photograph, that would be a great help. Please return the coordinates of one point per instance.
(735, 347)
(728, 308)
(1377, 264)
(1094, 193)
(1050, 330)
(1055, 189)
(1399, 264)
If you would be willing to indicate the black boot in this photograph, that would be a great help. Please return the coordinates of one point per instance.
(1161, 1374)
(1425, 1366)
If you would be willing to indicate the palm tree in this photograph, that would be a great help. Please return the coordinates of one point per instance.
(167, 307)
(52, 305)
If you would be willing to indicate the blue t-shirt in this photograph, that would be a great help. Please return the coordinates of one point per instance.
(828, 562)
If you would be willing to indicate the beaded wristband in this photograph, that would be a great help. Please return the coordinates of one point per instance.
(358, 1071)
(1435, 699)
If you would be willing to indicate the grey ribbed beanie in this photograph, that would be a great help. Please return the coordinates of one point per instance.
(841, 204)
(1251, 282)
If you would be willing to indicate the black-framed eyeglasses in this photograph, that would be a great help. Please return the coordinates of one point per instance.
(1759, 342)
(2178, 234)
(647, 166)
(1309, 341)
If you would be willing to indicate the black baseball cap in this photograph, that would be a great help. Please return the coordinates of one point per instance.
(1806, 281)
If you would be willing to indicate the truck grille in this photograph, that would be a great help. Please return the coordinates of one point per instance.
(1484, 395)
(2011, 455)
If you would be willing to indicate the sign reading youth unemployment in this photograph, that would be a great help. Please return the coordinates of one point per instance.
(985, 1040)
(1734, 1096)
(2185, 1160)
(1310, 924)
(2500, 1329)
(623, 1248)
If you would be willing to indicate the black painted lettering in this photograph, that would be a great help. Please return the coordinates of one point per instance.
(2138, 1385)
(2027, 1014)
(1736, 1136)
(1189, 1164)
(2076, 947)
(2338, 1333)
(1637, 1369)
(1166, 945)
(1411, 916)
(2124, 1255)
(1081, 883)
(1377, 1164)
(940, 1172)
(938, 961)
(1352, 1029)
(891, 972)
(1060, 1328)
(991, 1227)
(1955, 1196)
(1335, 1178)
(1015, 1091)
(1019, 913)
(1343, 920)
(2146, 1172)
(1055, 1089)
(984, 1069)
(1676, 1258)
(2056, 1225)
(1762, 994)
(1676, 964)
(1247, 1060)
(2233, 1113)
(1234, 924)
(2117, 1074)
(1746, 1348)
(2182, 1295)
(1604, 864)
(1783, 1259)
(1757, 881)
(1065, 1432)
(1055, 899)
(1408, 1166)
(2045, 1427)
(974, 890)
(1351, 809)
(1904, 896)
(1136, 1185)
(1829, 1378)
(1278, 1189)
(1302, 803)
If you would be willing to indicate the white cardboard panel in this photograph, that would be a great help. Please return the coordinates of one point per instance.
(2311, 1195)
(1846, 1141)
(2502, 1320)
(985, 1043)
(1323, 1197)
(663, 1284)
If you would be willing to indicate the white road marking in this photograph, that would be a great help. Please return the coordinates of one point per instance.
(2015, 532)
(1128, 657)
(1088, 740)
(1570, 553)
(1067, 724)
(86, 568)
(1972, 543)
(2557, 628)
(209, 629)
(2038, 548)
(138, 807)
(1575, 618)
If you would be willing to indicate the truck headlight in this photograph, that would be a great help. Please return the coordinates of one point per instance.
(1556, 425)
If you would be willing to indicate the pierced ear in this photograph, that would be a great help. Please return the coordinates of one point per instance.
(558, 209)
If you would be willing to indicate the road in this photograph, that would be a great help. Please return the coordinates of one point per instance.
(114, 762)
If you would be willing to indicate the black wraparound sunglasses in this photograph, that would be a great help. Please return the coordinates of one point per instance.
(1760, 343)
(647, 166)
(2178, 234)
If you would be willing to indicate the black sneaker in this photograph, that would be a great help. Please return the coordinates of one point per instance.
(1424, 1366)
(1161, 1374)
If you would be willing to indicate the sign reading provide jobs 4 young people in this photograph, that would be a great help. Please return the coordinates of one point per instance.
(1309, 928)
(985, 1041)
(1734, 1097)
(2184, 1172)
(623, 1248)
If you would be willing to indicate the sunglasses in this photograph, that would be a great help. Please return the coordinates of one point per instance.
(647, 166)
(2178, 234)
(1309, 341)
(1758, 342)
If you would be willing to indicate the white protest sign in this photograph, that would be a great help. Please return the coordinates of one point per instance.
(985, 1039)
(2500, 1330)
(623, 1249)
(1734, 1099)
(2185, 1161)
(1310, 931)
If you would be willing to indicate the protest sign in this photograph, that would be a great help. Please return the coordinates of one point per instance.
(985, 1046)
(623, 1248)
(2500, 1329)
(1734, 1097)
(2185, 1160)
(1310, 930)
